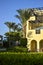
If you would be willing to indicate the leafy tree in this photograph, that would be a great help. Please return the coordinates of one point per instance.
(14, 36)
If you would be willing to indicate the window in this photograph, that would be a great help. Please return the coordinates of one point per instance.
(38, 31)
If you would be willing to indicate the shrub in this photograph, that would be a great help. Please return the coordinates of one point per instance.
(21, 59)
(23, 41)
(17, 49)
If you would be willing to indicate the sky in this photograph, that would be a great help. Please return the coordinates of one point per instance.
(8, 11)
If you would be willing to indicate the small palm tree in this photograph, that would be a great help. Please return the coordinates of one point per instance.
(9, 25)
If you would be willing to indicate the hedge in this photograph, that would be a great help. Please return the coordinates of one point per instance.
(21, 59)
(17, 49)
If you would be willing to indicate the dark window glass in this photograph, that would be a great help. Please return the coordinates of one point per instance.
(38, 31)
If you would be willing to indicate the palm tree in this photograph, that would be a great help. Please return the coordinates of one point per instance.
(15, 26)
(23, 16)
(9, 25)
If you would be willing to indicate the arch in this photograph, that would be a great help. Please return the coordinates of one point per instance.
(41, 45)
(33, 45)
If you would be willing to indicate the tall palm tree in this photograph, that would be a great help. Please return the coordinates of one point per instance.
(23, 16)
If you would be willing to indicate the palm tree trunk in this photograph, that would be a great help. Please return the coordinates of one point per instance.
(24, 31)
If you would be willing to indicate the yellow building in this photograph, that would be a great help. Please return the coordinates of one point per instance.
(34, 32)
